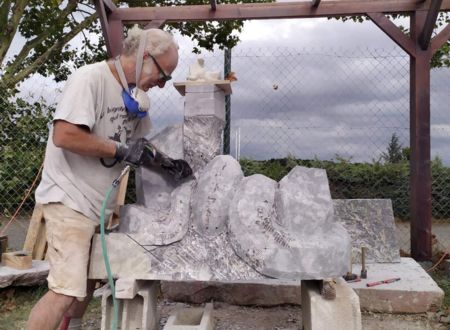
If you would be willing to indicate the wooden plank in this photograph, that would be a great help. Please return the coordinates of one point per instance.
(33, 229)
(156, 24)
(17, 260)
(222, 84)
(430, 21)
(269, 10)
(393, 32)
(439, 40)
(114, 220)
(40, 248)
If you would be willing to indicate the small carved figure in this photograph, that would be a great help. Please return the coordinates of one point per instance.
(197, 72)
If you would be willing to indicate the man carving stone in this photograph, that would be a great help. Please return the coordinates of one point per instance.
(99, 122)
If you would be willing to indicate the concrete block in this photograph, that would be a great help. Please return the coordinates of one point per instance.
(108, 311)
(205, 104)
(342, 313)
(138, 313)
(127, 288)
(191, 319)
(416, 292)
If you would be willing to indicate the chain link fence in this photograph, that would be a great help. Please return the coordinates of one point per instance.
(346, 111)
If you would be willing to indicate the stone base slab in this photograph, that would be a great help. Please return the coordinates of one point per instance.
(36, 275)
(416, 292)
(233, 293)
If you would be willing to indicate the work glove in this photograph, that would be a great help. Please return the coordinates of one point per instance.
(178, 168)
(131, 153)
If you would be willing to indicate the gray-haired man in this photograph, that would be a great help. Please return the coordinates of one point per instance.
(103, 109)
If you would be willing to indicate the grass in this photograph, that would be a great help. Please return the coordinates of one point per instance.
(443, 281)
(17, 302)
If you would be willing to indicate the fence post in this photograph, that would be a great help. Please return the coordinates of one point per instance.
(420, 145)
(227, 129)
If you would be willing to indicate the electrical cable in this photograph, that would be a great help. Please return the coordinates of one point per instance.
(114, 185)
(446, 252)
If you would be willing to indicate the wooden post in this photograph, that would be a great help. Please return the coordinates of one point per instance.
(420, 164)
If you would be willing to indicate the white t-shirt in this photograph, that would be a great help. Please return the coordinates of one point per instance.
(92, 97)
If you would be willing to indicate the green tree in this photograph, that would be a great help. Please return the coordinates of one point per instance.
(394, 153)
(35, 36)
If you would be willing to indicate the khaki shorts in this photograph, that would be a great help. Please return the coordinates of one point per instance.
(69, 235)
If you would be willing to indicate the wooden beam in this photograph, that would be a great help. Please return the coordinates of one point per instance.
(213, 4)
(427, 31)
(156, 24)
(101, 11)
(109, 5)
(269, 10)
(393, 32)
(315, 3)
(441, 38)
(115, 28)
(420, 163)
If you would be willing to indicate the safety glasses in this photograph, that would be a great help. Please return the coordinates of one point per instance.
(162, 75)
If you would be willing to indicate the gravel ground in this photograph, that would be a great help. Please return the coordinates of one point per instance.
(230, 317)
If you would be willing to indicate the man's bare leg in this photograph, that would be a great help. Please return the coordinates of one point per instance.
(78, 308)
(49, 310)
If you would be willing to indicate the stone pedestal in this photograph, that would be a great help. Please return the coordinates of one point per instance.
(204, 120)
(342, 313)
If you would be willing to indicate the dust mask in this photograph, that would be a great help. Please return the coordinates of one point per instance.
(136, 100)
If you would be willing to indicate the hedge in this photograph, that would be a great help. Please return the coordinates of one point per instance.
(365, 180)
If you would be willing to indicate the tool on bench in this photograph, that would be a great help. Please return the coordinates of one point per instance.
(363, 262)
(357, 279)
(390, 280)
(350, 276)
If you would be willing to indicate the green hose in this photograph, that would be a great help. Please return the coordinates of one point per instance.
(105, 255)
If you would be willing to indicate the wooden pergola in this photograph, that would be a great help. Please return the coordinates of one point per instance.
(419, 45)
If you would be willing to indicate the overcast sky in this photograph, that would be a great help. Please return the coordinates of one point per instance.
(320, 88)
(311, 88)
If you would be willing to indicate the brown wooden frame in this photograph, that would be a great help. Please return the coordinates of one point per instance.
(420, 47)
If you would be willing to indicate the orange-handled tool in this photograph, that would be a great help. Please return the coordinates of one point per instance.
(383, 282)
